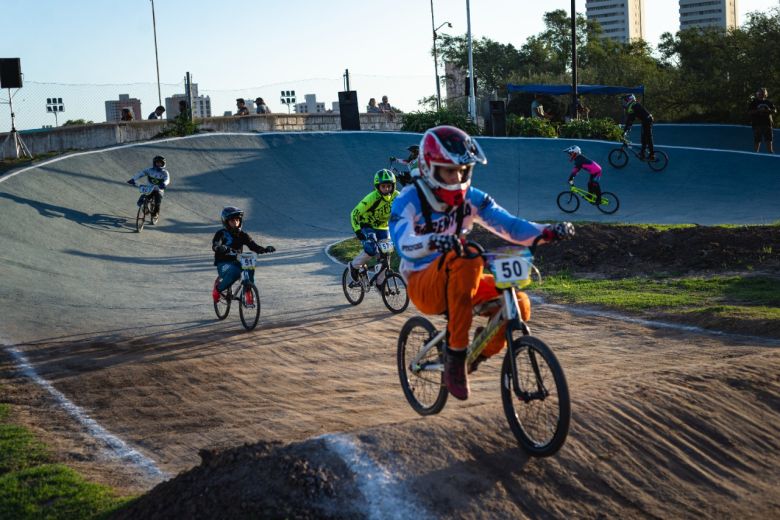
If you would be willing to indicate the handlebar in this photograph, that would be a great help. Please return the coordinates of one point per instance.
(473, 249)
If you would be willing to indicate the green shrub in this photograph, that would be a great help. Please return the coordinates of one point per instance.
(604, 129)
(179, 127)
(422, 121)
(529, 127)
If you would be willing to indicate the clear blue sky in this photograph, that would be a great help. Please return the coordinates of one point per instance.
(269, 46)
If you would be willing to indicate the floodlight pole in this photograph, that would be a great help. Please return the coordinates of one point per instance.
(472, 97)
(574, 113)
(156, 59)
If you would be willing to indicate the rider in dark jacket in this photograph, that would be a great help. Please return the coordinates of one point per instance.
(228, 242)
(635, 110)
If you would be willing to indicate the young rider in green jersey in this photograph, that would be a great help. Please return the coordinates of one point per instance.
(370, 217)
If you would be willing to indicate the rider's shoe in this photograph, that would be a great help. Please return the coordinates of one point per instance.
(354, 272)
(215, 292)
(598, 201)
(651, 157)
(455, 373)
(155, 218)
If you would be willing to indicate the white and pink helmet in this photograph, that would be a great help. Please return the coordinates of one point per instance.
(448, 146)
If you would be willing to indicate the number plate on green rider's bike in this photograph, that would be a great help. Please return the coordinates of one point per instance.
(511, 269)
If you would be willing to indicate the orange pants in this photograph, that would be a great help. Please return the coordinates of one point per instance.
(456, 285)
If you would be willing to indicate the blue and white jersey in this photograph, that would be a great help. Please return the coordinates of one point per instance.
(407, 225)
(157, 176)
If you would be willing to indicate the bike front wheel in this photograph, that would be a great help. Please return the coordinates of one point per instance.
(140, 218)
(618, 158)
(609, 203)
(394, 293)
(660, 162)
(568, 201)
(421, 381)
(249, 306)
(222, 306)
(353, 290)
(535, 396)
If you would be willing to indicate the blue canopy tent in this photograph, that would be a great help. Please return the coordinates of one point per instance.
(564, 90)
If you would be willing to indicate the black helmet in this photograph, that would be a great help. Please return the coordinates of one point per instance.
(229, 212)
(158, 158)
(414, 148)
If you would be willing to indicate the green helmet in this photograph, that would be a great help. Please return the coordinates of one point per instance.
(384, 177)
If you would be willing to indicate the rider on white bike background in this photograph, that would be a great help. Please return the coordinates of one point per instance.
(426, 224)
(158, 176)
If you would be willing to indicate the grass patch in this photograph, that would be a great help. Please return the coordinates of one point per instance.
(32, 487)
(755, 298)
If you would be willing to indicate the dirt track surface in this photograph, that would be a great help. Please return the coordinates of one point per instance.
(304, 417)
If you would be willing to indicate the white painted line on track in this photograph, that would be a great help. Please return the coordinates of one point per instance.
(116, 447)
(385, 497)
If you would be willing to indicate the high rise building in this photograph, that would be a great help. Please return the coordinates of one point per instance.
(114, 107)
(708, 13)
(621, 20)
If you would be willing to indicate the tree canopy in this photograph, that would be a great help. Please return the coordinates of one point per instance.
(695, 75)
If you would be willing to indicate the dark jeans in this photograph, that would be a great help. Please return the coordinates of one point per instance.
(647, 137)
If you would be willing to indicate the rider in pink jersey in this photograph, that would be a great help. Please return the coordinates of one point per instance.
(583, 163)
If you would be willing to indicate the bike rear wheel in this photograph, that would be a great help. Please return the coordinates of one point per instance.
(249, 306)
(140, 218)
(568, 201)
(352, 290)
(423, 384)
(661, 160)
(222, 306)
(618, 158)
(539, 410)
(609, 203)
(394, 293)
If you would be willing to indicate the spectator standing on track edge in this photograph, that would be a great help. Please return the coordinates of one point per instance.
(761, 111)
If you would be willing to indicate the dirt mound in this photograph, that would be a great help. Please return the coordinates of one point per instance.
(262, 480)
(627, 250)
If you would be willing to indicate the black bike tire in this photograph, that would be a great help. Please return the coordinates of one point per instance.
(249, 322)
(610, 208)
(345, 279)
(620, 159)
(395, 280)
(568, 196)
(415, 386)
(226, 302)
(661, 160)
(140, 218)
(520, 428)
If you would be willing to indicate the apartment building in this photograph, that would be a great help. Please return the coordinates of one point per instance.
(621, 20)
(708, 13)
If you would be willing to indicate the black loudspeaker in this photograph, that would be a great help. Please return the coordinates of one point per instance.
(348, 110)
(10, 73)
(498, 118)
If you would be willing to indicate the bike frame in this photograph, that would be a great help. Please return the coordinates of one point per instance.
(585, 194)
(384, 260)
(509, 314)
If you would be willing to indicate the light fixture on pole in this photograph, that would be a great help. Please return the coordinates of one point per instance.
(156, 60)
(435, 57)
(288, 98)
(54, 106)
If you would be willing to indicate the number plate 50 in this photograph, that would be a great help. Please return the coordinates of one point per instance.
(511, 269)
